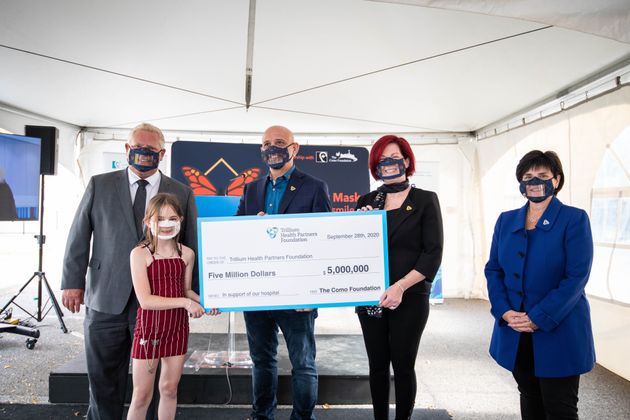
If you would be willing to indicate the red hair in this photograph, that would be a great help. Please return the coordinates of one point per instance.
(381, 144)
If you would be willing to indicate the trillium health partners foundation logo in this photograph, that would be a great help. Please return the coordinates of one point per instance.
(272, 232)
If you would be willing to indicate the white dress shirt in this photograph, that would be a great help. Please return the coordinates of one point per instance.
(152, 187)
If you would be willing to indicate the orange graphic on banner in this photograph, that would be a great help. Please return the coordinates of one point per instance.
(201, 185)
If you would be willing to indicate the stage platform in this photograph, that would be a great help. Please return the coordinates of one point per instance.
(341, 361)
(188, 412)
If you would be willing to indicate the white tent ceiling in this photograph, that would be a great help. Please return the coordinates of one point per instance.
(182, 64)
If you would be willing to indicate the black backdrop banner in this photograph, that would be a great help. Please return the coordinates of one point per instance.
(222, 169)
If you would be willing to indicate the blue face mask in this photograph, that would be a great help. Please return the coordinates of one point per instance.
(548, 191)
(136, 153)
(276, 152)
(389, 162)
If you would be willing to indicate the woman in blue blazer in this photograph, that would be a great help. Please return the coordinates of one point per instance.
(539, 264)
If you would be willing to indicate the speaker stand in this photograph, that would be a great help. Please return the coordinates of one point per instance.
(42, 311)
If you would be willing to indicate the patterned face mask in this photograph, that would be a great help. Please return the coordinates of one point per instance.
(135, 160)
(279, 155)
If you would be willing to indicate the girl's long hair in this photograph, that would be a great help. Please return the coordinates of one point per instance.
(153, 211)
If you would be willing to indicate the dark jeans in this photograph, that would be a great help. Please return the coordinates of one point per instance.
(394, 338)
(543, 398)
(298, 329)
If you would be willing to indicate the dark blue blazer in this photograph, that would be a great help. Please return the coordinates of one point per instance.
(304, 194)
(543, 272)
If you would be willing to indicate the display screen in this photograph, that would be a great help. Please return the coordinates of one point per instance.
(19, 177)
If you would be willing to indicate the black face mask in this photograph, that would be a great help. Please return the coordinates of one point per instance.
(393, 188)
(548, 189)
(282, 152)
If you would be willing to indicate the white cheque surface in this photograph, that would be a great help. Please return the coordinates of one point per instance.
(293, 261)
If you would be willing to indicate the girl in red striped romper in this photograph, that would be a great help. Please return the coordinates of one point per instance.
(161, 270)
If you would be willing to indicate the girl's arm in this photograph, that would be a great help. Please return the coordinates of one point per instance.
(189, 258)
(139, 258)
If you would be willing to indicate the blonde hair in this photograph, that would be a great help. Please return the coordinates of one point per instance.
(150, 128)
(158, 202)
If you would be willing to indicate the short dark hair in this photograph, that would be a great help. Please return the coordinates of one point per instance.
(538, 159)
(381, 144)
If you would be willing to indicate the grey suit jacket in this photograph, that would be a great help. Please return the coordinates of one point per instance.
(105, 218)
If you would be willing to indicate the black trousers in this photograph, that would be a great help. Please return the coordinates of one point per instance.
(543, 398)
(394, 338)
(108, 340)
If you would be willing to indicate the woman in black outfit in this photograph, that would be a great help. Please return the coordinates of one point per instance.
(392, 330)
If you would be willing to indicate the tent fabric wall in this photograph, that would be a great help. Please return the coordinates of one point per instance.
(454, 180)
(580, 137)
(609, 19)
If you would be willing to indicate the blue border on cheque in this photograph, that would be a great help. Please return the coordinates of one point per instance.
(236, 219)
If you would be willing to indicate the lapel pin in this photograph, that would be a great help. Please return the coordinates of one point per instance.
(409, 208)
(292, 188)
(545, 222)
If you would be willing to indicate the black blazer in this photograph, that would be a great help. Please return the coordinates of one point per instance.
(415, 238)
(304, 194)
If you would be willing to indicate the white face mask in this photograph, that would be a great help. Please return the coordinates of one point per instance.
(175, 224)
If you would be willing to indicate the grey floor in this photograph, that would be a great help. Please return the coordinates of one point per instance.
(454, 370)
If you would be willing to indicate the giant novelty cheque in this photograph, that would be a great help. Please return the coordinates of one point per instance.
(293, 261)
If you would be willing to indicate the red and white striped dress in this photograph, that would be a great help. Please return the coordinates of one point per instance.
(162, 333)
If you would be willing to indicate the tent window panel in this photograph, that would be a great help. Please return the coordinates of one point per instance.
(610, 205)
(611, 173)
(604, 219)
(624, 222)
(598, 282)
(610, 222)
(618, 284)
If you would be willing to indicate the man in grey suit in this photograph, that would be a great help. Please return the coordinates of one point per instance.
(110, 217)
